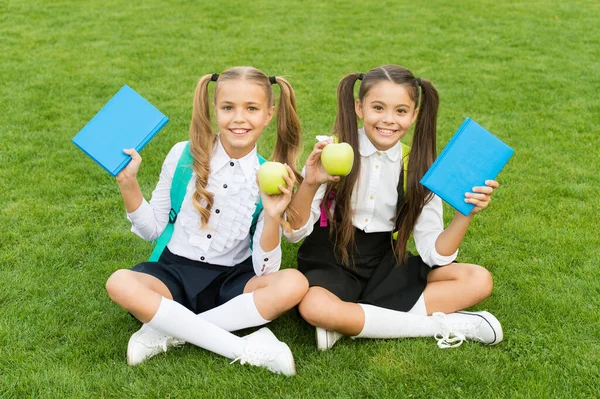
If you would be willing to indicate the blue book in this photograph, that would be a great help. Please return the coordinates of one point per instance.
(472, 156)
(126, 121)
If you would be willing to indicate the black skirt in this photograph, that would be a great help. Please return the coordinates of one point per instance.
(197, 285)
(372, 278)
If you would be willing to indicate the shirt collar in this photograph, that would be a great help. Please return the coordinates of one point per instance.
(366, 148)
(248, 163)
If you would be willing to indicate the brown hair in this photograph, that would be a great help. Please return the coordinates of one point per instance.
(203, 139)
(422, 155)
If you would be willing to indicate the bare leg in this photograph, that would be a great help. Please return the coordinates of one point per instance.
(278, 292)
(321, 308)
(456, 287)
(138, 293)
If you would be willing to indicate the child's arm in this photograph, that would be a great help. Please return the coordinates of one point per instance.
(148, 219)
(437, 246)
(266, 253)
(449, 240)
(306, 201)
(128, 184)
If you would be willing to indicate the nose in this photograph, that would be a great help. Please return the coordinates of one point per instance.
(238, 116)
(388, 117)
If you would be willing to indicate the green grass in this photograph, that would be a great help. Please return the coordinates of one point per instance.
(528, 71)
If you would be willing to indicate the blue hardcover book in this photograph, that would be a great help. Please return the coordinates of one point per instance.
(126, 121)
(472, 156)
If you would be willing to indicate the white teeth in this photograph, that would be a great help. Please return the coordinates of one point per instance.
(240, 131)
(386, 131)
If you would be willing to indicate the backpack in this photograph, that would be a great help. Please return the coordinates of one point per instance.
(181, 178)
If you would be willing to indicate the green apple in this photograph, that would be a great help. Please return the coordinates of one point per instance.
(337, 158)
(271, 176)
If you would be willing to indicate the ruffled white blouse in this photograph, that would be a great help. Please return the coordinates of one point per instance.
(225, 241)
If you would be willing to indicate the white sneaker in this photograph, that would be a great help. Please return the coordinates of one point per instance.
(148, 342)
(326, 338)
(263, 349)
(475, 326)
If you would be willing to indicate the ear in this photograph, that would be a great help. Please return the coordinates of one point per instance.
(358, 109)
(414, 117)
(270, 114)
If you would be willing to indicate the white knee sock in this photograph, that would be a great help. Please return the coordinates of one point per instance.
(386, 323)
(419, 307)
(236, 314)
(176, 320)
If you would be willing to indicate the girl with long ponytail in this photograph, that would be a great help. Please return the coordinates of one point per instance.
(219, 271)
(363, 281)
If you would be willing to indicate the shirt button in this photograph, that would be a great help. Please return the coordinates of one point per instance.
(378, 154)
(202, 258)
(376, 166)
(217, 211)
(366, 220)
(224, 185)
(209, 236)
(231, 164)
(371, 197)
(266, 259)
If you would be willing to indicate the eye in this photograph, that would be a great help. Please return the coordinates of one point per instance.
(226, 107)
(252, 109)
(401, 111)
(377, 107)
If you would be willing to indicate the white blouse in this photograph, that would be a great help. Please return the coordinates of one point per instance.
(374, 202)
(225, 241)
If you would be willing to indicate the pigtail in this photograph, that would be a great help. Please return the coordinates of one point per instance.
(422, 156)
(346, 129)
(202, 141)
(288, 142)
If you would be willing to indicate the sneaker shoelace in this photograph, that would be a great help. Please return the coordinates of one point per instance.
(254, 357)
(453, 335)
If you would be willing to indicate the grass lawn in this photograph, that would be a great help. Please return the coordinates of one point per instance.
(527, 71)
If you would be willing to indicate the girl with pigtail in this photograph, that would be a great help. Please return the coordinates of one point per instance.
(363, 281)
(216, 276)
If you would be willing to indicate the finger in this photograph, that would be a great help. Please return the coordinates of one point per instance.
(285, 191)
(492, 183)
(290, 179)
(477, 197)
(321, 144)
(334, 178)
(483, 189)
(133, 154)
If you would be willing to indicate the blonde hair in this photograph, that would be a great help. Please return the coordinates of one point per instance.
(203, 138)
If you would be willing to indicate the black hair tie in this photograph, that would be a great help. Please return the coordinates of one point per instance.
(361, 76)
(214, 77)
(273, 80)
(419, 83)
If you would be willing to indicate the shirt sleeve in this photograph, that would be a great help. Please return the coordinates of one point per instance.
(428, 227)
(151, 218)
(265, 262)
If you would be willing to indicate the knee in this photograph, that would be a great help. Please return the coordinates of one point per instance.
(315, 307)
(293, 285)
(482, 279)
(118, 285)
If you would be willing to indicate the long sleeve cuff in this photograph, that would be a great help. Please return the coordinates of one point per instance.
(266, 262)
(143, 222)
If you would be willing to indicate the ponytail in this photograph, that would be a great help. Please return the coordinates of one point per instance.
(202, 141)
(346, 129)
(422, 155)
(288, 141)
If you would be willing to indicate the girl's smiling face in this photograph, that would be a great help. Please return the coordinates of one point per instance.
(242, 112)
(387, 112)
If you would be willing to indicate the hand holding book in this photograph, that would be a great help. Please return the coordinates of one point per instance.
(472, 157)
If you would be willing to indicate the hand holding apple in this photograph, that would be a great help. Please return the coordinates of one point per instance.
(271, 175)
(337, 158)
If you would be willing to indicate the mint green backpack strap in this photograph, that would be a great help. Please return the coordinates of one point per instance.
(258, 209)
(181, 178)
(405, 152)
